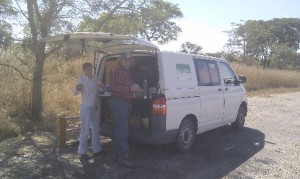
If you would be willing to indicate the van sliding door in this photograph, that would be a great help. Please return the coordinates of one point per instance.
(211, 93)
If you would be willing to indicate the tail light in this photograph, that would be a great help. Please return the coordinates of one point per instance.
(159, 107)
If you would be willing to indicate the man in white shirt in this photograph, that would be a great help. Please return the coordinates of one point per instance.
(88, 86)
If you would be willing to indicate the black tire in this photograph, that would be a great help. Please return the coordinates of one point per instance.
(186, 136)
(240, 119)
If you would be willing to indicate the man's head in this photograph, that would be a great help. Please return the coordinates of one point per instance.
(87, 69)
(125, 60)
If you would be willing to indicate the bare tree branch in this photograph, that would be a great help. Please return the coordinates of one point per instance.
(23, 62)
(20, 10)
(16, 69)
(37, 12)
(32, 24)
(52, 11)
(111, 13)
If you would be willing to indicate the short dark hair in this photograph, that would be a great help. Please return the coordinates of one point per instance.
(87, 65)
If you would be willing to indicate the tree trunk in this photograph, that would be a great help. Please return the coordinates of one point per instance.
(264, 63)
(37, 95)
(39, 51)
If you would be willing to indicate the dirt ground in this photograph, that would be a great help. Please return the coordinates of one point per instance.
(268, 147)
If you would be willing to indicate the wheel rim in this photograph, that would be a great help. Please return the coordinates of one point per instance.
(186, 136)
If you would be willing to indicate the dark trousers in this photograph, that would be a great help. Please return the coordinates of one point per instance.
(120, 109)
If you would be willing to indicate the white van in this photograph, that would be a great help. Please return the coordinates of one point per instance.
(190, 94)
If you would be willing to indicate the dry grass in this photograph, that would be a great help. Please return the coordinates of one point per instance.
(258, 78)
(60, 80)
(58, 99)
(60, 77)
(8, 127)
(271, 91)
(14, 103)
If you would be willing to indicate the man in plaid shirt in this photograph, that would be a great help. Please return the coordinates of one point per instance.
(122, 90)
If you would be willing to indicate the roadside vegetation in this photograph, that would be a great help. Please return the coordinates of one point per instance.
(262, 79)
(60, 76)
(36, 80)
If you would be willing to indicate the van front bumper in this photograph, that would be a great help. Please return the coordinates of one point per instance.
(152, 137)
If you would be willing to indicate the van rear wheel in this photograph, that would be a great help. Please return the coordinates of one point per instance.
(186, 136)
(239, 123)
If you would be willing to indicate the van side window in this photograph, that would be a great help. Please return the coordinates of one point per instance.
(214, 74)
(184, 71)
(207, 72)
(226, 72)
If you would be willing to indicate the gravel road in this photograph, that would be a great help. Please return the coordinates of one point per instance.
(268, 147)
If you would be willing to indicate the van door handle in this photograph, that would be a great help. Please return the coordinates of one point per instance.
(220, 89)
(226, 89)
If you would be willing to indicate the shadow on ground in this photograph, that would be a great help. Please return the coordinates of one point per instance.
(215, 154)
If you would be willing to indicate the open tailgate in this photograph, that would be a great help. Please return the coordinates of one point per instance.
(102, 42)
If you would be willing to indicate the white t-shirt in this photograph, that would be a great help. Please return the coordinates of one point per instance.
(89, 90)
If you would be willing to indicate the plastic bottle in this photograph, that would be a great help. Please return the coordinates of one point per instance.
(145, 88)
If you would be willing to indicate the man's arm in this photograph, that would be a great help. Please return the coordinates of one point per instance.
(78, 88)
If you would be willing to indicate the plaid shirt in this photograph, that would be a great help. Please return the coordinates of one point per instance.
(120, 83)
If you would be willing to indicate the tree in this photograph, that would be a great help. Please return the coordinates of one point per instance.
(5, 35)
(149, 19)
(157, 24)
(296, 62)
(237, 39)
(282, 56)
(256, 39)
(39, 19)
(43, 18)
(253, 39)
(191, 48)
(286, 30)
(5, 26)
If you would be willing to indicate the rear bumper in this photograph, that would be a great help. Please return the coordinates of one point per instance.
(152, 137)
(143, 135)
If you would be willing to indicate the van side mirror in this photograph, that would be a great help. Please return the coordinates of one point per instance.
(228, 81)
(242, 78)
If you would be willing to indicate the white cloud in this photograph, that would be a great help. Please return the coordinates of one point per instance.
(212, 39)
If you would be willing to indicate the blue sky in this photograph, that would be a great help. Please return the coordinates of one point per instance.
(205, 20)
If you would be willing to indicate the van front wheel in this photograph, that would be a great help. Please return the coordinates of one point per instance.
(240, 119)
(185, 136)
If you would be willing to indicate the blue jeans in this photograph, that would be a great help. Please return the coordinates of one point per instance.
(88, 118)
(120, 109)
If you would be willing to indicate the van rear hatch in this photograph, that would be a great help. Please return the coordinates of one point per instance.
(105, 43)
